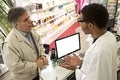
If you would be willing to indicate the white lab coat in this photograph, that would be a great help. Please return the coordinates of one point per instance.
(100, 62)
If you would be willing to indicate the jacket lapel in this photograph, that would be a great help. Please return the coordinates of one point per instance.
(36, 38)
(21, 38)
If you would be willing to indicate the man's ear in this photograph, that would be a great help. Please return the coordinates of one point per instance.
(16, 24)
(91, 26)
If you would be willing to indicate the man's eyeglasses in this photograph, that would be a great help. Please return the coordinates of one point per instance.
(80, 20)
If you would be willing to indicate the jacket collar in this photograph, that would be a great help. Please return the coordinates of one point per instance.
(21, 37)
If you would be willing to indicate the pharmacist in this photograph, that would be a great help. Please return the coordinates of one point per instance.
(100, 62)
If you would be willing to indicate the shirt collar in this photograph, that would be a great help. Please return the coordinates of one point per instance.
(23, 33)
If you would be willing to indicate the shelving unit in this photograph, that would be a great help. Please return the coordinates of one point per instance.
(118, 19)
(2, 38)
(112, 8)
(53, 18)
(103, 2)
(3, 68)
(54, 34)
(118, 14)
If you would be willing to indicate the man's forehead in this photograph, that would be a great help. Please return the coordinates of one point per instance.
(81, 15)
(24, 16)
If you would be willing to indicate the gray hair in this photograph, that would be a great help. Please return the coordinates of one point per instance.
(15, 13)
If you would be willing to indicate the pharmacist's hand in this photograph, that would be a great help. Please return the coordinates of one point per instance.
(71, 62)
(42, 61)
(76, 60)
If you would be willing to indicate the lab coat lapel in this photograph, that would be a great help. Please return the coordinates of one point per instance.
(95, 43)
(92, 46)
(88, 56)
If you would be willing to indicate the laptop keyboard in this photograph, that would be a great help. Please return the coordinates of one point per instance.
(62, 72)
(70, 77)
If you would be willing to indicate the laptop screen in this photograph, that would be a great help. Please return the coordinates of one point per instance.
(67, 45)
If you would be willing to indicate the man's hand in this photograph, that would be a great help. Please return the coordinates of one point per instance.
(71, 62)
(42, 61)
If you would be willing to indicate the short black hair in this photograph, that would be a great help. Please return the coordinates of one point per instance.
(96, 14)
(15, 13)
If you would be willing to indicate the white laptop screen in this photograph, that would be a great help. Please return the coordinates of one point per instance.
(67, 45)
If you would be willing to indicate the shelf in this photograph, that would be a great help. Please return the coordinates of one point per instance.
(53, 21)
(56, 17)
(58, 5)
(51, 37)
(45, 18)
(111, 0)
